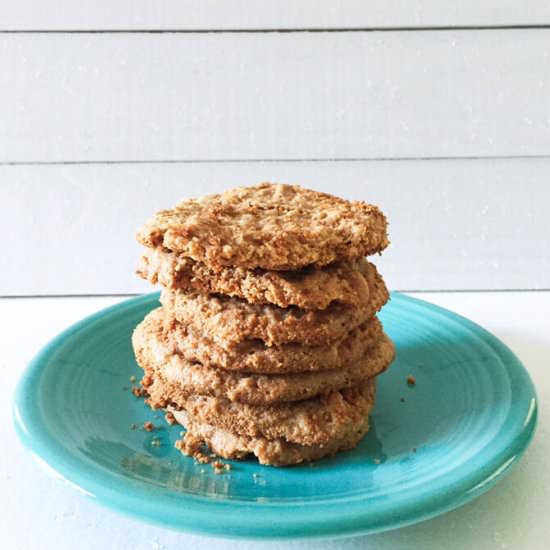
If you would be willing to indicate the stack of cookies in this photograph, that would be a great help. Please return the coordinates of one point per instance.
(267, 341)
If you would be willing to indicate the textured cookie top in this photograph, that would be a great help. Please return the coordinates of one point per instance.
(268, 226)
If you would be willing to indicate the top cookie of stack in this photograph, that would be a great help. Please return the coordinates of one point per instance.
(243, 243)
(268, 310)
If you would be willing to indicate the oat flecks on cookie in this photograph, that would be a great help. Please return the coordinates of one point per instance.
(268, 226)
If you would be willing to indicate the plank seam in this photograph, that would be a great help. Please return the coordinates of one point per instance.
(437, 28)
(273, 160)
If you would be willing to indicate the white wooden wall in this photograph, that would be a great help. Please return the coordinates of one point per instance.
(437, 111)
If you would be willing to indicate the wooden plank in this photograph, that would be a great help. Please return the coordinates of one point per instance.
(268, 14)
(454, 224)
(274, 96)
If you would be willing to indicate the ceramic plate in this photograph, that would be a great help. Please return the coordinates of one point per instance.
(431, 447)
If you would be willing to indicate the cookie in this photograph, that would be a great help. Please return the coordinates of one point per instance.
(268, 226)
(229, 321)
(183, 377)
(310, 422)
(254, 356)
(307, 288)
(277, 452)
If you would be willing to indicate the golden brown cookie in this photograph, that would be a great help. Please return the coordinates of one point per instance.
(277, 452)
(311, 422)
(268, 226)
(182, 377)
(229, 321)
(307, 288)
(254, 356)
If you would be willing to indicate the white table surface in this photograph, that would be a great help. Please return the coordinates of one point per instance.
(37, 512)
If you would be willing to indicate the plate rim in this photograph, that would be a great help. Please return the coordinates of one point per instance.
(212, 517)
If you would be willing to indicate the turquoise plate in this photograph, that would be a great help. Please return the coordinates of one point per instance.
(431, 447)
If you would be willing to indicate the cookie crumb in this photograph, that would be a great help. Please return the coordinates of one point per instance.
(170, 418)
(138, 391)
(218, 466)
(191, 448)
(148, 426)
(201, 458)
(411, 380)
(132, 378)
